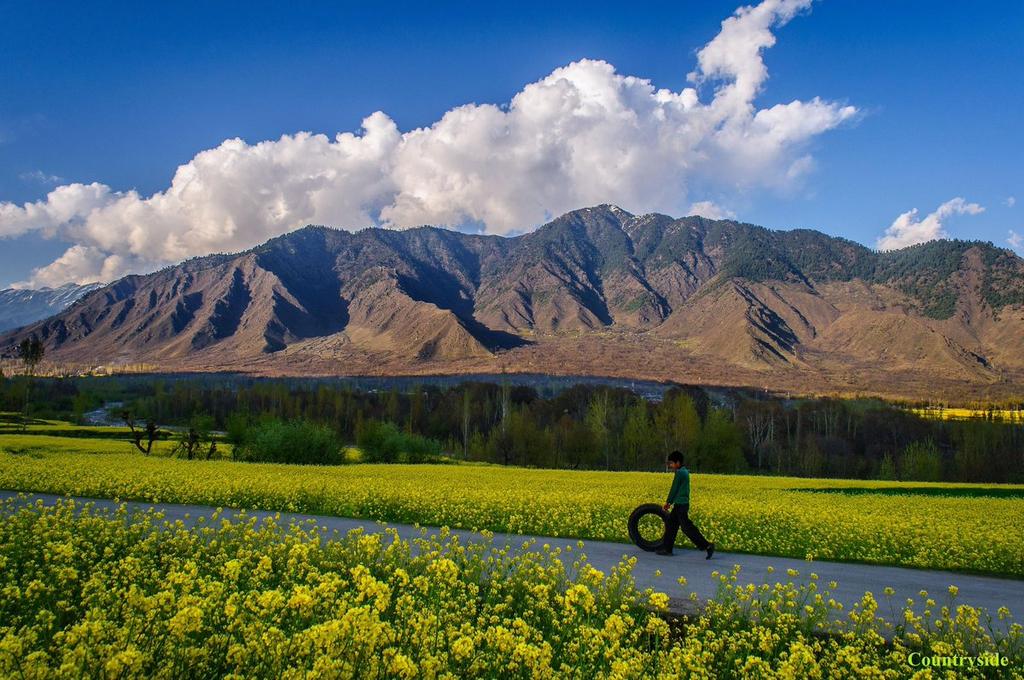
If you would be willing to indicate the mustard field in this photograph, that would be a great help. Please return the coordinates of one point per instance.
(957, 413)
(57, 435)
(87, 594)
(968, 528)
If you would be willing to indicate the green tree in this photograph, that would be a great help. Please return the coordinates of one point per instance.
(238, 424)
(383, 442)
(639, 440)
(597, 422)
(31, 352)
(921, 462)
(720, 448)
(530, 445)
(973, 453)
(393, 409)
(467, 413)
(80, 403)
(296, 441)
(678, 423)
(887, 469)
(812, 460)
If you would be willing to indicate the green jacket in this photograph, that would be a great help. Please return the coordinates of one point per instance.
(680, 491)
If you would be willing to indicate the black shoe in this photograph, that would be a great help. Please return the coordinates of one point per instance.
(662, 551)
(711, 551)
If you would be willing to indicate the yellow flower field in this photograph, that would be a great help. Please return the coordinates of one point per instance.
(90, 595)
(766, 515)
(38, 444)
(955, 413)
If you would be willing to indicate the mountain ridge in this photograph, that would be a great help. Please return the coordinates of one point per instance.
(22, 306)
(594, 290)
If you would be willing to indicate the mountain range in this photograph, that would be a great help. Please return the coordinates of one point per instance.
(21, 306)
(597, 291)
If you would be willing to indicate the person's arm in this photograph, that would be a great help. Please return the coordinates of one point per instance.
(672, 491)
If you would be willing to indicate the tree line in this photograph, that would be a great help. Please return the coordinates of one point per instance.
(582, 427)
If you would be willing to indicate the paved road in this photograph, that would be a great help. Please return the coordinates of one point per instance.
(854, 579)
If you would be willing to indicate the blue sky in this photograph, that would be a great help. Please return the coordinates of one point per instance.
(122, 94)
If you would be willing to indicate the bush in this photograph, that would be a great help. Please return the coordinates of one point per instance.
(296, 441)
(382, 442)
(887, 469)
(237, 426)
(921, 462)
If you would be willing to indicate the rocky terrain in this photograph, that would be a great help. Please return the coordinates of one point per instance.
(596, 291)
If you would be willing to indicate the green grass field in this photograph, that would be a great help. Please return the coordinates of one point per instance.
(962, 527)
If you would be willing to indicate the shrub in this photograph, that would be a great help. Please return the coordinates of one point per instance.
(382, 442)
(921, 462)
(297, 441)
(238, 425)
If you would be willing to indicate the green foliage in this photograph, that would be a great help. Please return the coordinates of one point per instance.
(527, 444)
(31, 352)
(297, 441)
(752, 253)
(640, 439)
(925, 271)
(678, 423)
(887, 469)
(720, 448)
(921, 462)
(195, 441)
(238, 425)
(637, 303)
(1003, 282)
(977, 451)
(826, 258)
(383, 442)
(597, 420)
(580, 427)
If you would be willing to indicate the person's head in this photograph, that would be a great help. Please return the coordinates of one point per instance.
(675, 460)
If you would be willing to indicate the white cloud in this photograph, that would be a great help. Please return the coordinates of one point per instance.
(582, 135)
(1016, 241)
(907, 230)
(80, 264)
(1010, 201)
(710, 210)
(40, 177)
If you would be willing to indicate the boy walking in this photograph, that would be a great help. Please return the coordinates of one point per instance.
(679, 499)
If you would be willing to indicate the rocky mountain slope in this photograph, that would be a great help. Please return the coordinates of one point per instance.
(21, 306)
(597, 290)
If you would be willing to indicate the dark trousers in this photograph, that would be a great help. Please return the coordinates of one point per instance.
(679, 517)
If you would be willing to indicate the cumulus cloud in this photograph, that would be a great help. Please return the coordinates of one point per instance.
(710, 210)
(1016, 241)
(80, 264)
(1010, 201)
(907, 230)
(580, 136)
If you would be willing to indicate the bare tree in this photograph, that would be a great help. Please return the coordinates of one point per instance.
(506, 404)
(151, 432)
(192, 441)
(760, 430)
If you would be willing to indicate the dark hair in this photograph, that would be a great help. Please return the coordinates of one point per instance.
(676, 457)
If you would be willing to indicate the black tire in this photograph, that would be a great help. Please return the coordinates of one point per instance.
(634, 526)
